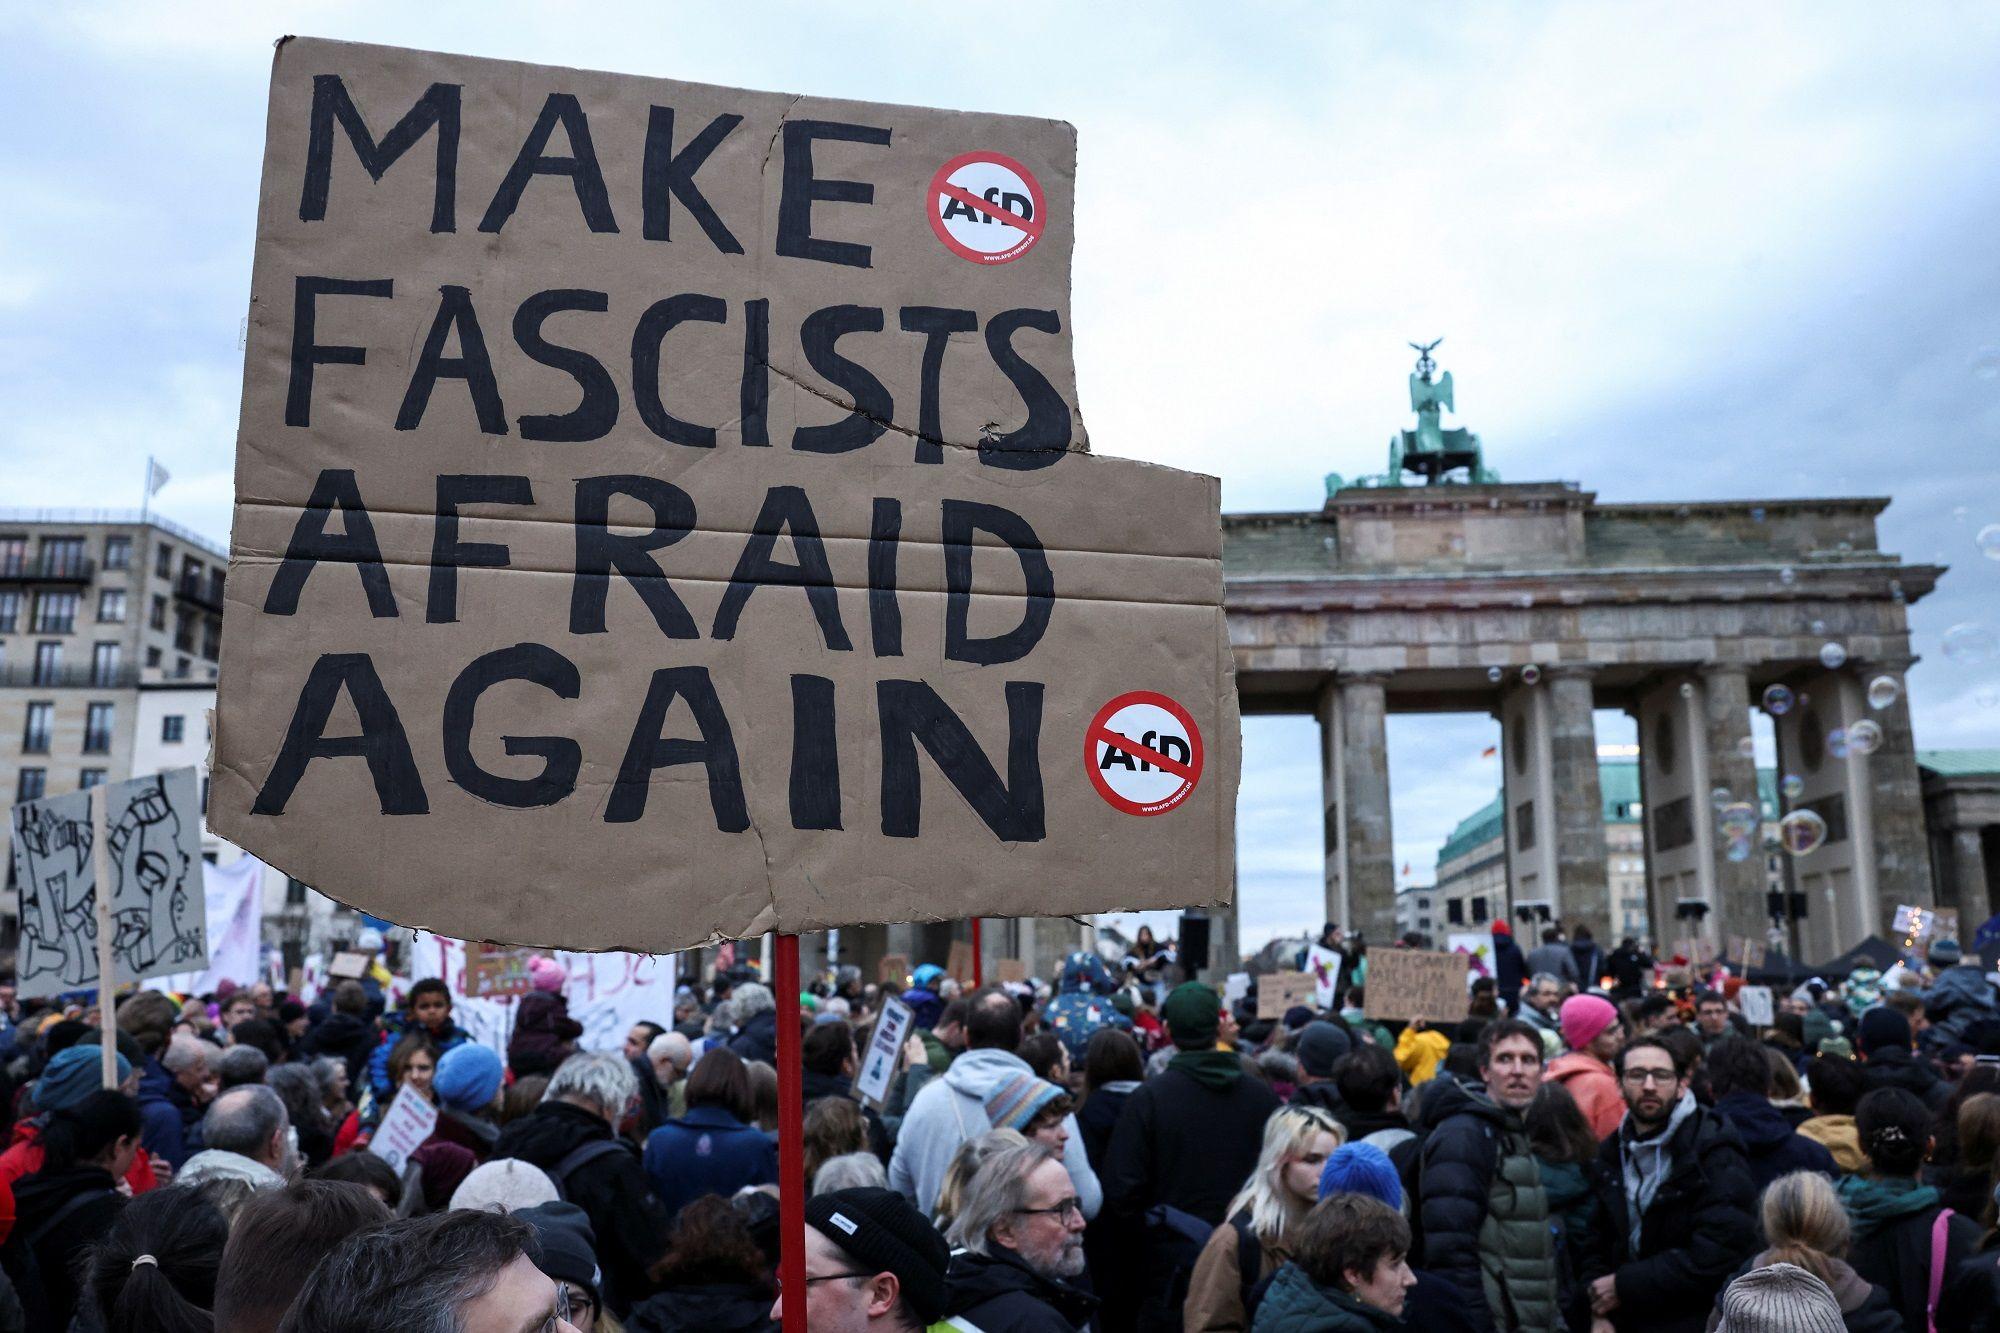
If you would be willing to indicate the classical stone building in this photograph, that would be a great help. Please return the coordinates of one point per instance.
(1962, 812)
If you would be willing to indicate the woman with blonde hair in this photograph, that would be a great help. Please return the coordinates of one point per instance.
(1806, 1226)
(1256, 1237)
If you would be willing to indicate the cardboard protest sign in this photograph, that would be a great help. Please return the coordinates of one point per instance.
(1323, 964)
(405, 1125)
(958, 965)
(1010, 969)
(885, 1052)
(689, 485)
(348, 965)
(1411, 983)
(1755, 1004)
(1279, 991)
(158, 907)
(494, 969)
(893, 970)
(233, 895)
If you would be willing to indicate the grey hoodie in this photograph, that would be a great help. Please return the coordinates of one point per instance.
(1647, 1162)
(951, 1110)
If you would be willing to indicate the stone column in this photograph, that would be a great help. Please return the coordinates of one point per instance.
(1968, 879)
(1739, 906)
(1901, 850)
(1331, 804)
(1583, 892)
(1364, 816)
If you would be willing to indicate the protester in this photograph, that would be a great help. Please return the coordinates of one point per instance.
(191, 1084)
(277, 1239)
(714, 1148)
(346, 1033)
(426, 1010)
(1256, 1237)
(248, 1137)
(1319, 1046)
(1885, 1043)
(1419, 1051)
(73, 1075)
(504, 1185)
(1371, 1110)
(1711, 1019)
(572, 1135)
(62, 1209)
(872, 1264)
(1485, 1215)
(712, 1279)
(299, 1089)
(1352, 1273)
(455, 1270)
(1804, 1225)
(1020, 1242)
(1589, 959)
(1082, 1005)
(833, 1128)
(467, 1089)
(1553, 958)
(1510, 966)
(365, 1169)
(952, 1107)
(1901, 1235)
(566, 1253)
(1591, 1030)
(1781, 1298)
(756, 1034)
(544, 1034)
(1676, 1200)
(1836, 1088)
(1113, 1067)
(852, 1170)
(155, 1269)
(1739, 1078)
(1566, 1156)
(241, 1066)
(671, 1055)
(1966, 1184)
(1037, 1108)
(1959, 996)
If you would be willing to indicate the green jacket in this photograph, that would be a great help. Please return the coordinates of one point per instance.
(1294, 1303)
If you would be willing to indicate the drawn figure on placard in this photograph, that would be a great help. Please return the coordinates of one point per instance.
(152, 902)
(58, 915)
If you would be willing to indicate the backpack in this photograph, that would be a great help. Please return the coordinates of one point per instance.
(1173, 1242)
(24, 1267)
(1251, 1286)
(576, 1159)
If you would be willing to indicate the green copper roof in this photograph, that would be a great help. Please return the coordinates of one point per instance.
(1959, 763)
(1482, 825)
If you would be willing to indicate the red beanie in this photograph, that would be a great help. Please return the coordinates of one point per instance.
(1502, 928)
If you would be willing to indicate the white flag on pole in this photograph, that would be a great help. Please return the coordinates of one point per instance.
(156, 477)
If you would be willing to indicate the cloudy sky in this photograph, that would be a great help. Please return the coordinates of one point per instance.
(1678, 251)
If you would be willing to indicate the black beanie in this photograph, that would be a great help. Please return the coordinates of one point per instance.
(883, 1232)
(1882, 1028)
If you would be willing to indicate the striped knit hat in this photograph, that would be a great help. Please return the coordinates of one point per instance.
(1780, 1298)
(1015, 1103)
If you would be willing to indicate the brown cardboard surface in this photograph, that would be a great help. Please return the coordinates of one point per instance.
(499, 812)
(1279, 991)
(893, 970)
(1010, 969)
(1411, 983)
(959, 965)
(348, 966)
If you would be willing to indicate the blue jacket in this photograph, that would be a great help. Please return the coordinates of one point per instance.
(1774, 1147)
(378, 1063)
(707, 1151)
(164, 1113)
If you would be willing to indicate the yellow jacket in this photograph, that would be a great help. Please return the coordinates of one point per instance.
(1419, 1052)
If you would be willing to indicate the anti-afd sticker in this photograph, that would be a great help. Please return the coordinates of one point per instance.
(987, 207)
(1143, 753)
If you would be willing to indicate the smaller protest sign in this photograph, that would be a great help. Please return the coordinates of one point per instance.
(1478, 951)
(493, 970)
(958, 965)
(1943, 924)
(348, 965)
(1324, 966)
(1236, 986)
(1009, 969)
(405, 1125)
(1412, 983)
(1279, 991)
(1755, 1004)
(1749, 952)
(894, 970)
(1905, 914)
(885, 1053)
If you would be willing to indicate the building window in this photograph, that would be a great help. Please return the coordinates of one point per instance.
(1673, 824)
(33, 784)
(295, 892)
(48, 662)
(97, 728)
(90, 777)
(173, 728)
(158, 618)
(111, 606)
(163, 561)
(55, 613)
(10, 611)
(152, 657)
(1478, 910)
(64, 557)
(181, 668)
(1524, 825)
(104, 664)
(40, 721)
(117, 552)
(13, 556)
(184, 633)
(211, 639)
(1454, 911)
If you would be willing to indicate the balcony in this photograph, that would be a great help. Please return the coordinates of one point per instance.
(24, 676)
(46, 568)
(203, 590)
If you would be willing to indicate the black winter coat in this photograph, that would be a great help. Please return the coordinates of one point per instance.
(998, 1294)
(757, 1039)
(1461, 1151)
(350, 1037)
(1897, 1068)
(1183, 1144)
(626, 1216)
(1510, 969)
(48, 1283)
(1774, 1148)
(732, 1307)
(1701, 1223)
(1095, 1119)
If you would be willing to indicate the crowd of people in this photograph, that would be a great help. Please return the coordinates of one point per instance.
(1598, 1146)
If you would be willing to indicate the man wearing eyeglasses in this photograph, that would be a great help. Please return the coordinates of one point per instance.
(873, 1264)
(1020, 1231)
(1677, 1198)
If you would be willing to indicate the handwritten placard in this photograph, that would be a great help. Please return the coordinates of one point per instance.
(1413, 983)
(1280, 991)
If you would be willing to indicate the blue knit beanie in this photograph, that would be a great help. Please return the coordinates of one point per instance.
(1361, 1168)
(468, 1077)
(74, 1074)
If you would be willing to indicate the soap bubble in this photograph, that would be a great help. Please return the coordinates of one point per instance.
(1786, 576)
(1836, 742)
(1864, 737)
(1687, 690)
(1738, 819)
(1986, 363)
(1883, 691)
(1738, 849)
(1959, 512)
(1531, 674)
(1777, 700)
(1792, 786)
(1818, 627)
(1494, 675)
(1801, 832)
(1988, 541)
(1968, 643)
(1721, 798)
(1832, 656)
(1747, 747)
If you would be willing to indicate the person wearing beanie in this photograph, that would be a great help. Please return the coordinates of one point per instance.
(1361, 1168)
(1593, 1034)
(77, 1075)
(1317, 1046)
(1884, 1040)
(1510, 966)
(1780, 1298)
(897, 1262)
(505, 1185)
(466, 1085)
(568, 1256)
(1960, 997)
(1190, 1136)
(1033, 1107)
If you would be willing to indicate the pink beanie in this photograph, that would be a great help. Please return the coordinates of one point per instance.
(547, 974)
(1584, 1018)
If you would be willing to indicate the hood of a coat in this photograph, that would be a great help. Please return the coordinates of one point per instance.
(976, 1073)
(1447, 1097)
(39, 1195)
(1085, 973)
(214, 1162)
(1760, 1125)
(1568, 1066)
(981, 1277)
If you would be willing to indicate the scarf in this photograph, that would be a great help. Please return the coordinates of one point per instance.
(1647, 1162)
(1214, 1070)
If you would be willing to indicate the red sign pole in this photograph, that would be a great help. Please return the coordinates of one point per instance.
(978, 955)
(791, 1139)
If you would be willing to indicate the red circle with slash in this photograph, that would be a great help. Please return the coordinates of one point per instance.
(987, 208)
(1143, 753)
